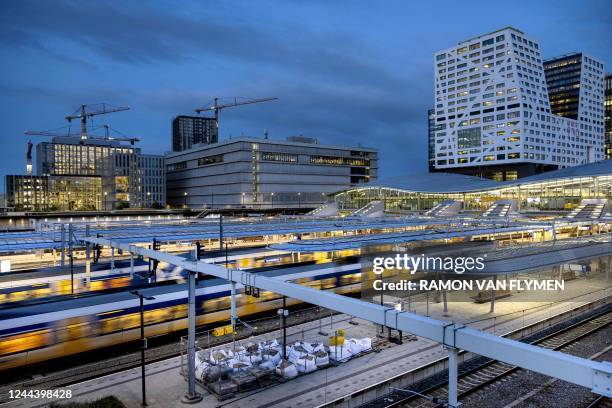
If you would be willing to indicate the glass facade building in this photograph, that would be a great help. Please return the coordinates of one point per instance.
(608, 114)
(53, 193)
(557, 190)
(89, 175)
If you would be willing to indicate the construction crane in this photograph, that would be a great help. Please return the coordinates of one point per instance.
(107, 136)
(29, 158)
(91, 110)
(216, 107)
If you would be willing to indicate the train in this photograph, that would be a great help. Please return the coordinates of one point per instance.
(39, 333)
(104, 279)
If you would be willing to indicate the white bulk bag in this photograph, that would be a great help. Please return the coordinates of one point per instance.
(339, 353)
(286, 369)
(321, 358)
(306, 364)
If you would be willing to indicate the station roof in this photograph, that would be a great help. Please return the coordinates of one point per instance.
(359, 241)
(459, 183)
(145, 232)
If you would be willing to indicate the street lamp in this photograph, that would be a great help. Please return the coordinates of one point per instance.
(143, 341)
(185, 195)
(299, 200)
(272, 195)
(148, 198)
(105, 194)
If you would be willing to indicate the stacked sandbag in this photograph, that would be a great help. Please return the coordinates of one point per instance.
(306, 364)
(238, 366)
(201, 364)
(215, 373)
(321, 358)
(268, 365)
(251, 358)
(272, 355)
(366, 344)
(353, 346)
(339, 353)
(296, 352)
(218, 357)
(286, 369)
(270, 344)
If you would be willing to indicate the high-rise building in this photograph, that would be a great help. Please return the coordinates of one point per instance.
(608, 115)
(493, 113)
(265, 173)
(576, 91)
(431, 139)
(191, 130)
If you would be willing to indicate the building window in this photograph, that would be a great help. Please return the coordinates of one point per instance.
(339, 161)
(177, 166)
(205, 161)
(469, 138)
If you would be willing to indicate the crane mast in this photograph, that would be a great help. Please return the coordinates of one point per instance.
(89, 111)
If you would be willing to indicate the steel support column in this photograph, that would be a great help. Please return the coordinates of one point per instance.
(452, 377)
(192, 396)
(595, 375)
(112, 258)
(233, 315)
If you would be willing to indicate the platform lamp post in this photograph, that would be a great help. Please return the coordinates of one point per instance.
(148, 203)
(143, 342)
(299, 200)
(283, 313)
(272, 197)
(185, 195)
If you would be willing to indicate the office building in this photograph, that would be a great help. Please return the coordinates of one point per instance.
(188, 131)
(94, 174)
(264, 173)
(431, 139)
(494, 115)
(152, 192)
(608, 115)
(575, 85)
(53, 193)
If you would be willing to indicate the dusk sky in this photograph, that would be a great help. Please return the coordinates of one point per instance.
(345, 72)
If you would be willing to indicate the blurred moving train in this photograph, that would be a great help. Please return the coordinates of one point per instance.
(103, 278)
(37, 333)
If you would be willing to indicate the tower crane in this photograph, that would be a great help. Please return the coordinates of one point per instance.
(91, 110)
(216, 107)
(106, 136)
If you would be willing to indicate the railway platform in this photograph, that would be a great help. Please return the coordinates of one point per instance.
(166, 386)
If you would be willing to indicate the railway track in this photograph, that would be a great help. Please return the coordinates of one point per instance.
(117, 363)
(477, 374)
(601, 402)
